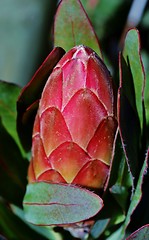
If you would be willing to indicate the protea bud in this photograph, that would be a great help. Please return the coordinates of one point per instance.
(75, 125)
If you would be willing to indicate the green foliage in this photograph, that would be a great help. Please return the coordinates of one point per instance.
(59, 204)
(46, 203)
(140, 234)
(72, 27)
(132, 57)
(8, 97)
(135, 199)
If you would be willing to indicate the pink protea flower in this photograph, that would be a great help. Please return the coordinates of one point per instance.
(75, 125)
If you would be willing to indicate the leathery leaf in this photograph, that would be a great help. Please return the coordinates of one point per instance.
(59, 204)
(72, 27)
(140, 234)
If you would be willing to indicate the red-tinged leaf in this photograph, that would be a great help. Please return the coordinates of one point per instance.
(30, 95)
(72, 27)
(25, 123)
(59, 204)
(140, 234)
(132, 56)
(128, 120)
(131, 110)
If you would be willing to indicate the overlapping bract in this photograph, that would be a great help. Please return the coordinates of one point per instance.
(75, 126)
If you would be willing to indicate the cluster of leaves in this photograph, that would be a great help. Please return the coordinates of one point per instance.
(125, 199)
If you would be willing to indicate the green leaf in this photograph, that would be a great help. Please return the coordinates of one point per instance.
(13, 169)
(47, 231)
(129, 122)
(28, 100)
(72, 27)
(8, 96)
(13, 228)
(121, 194)
(115, 235)
(145, 57)
(59, 204)
(141, 234)
(99, 227)
(132, 56)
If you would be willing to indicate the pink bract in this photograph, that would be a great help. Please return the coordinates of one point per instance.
(75, 126)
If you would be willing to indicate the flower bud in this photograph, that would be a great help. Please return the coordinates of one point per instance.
(75, 126)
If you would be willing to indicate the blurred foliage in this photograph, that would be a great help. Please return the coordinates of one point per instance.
(24, 30)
